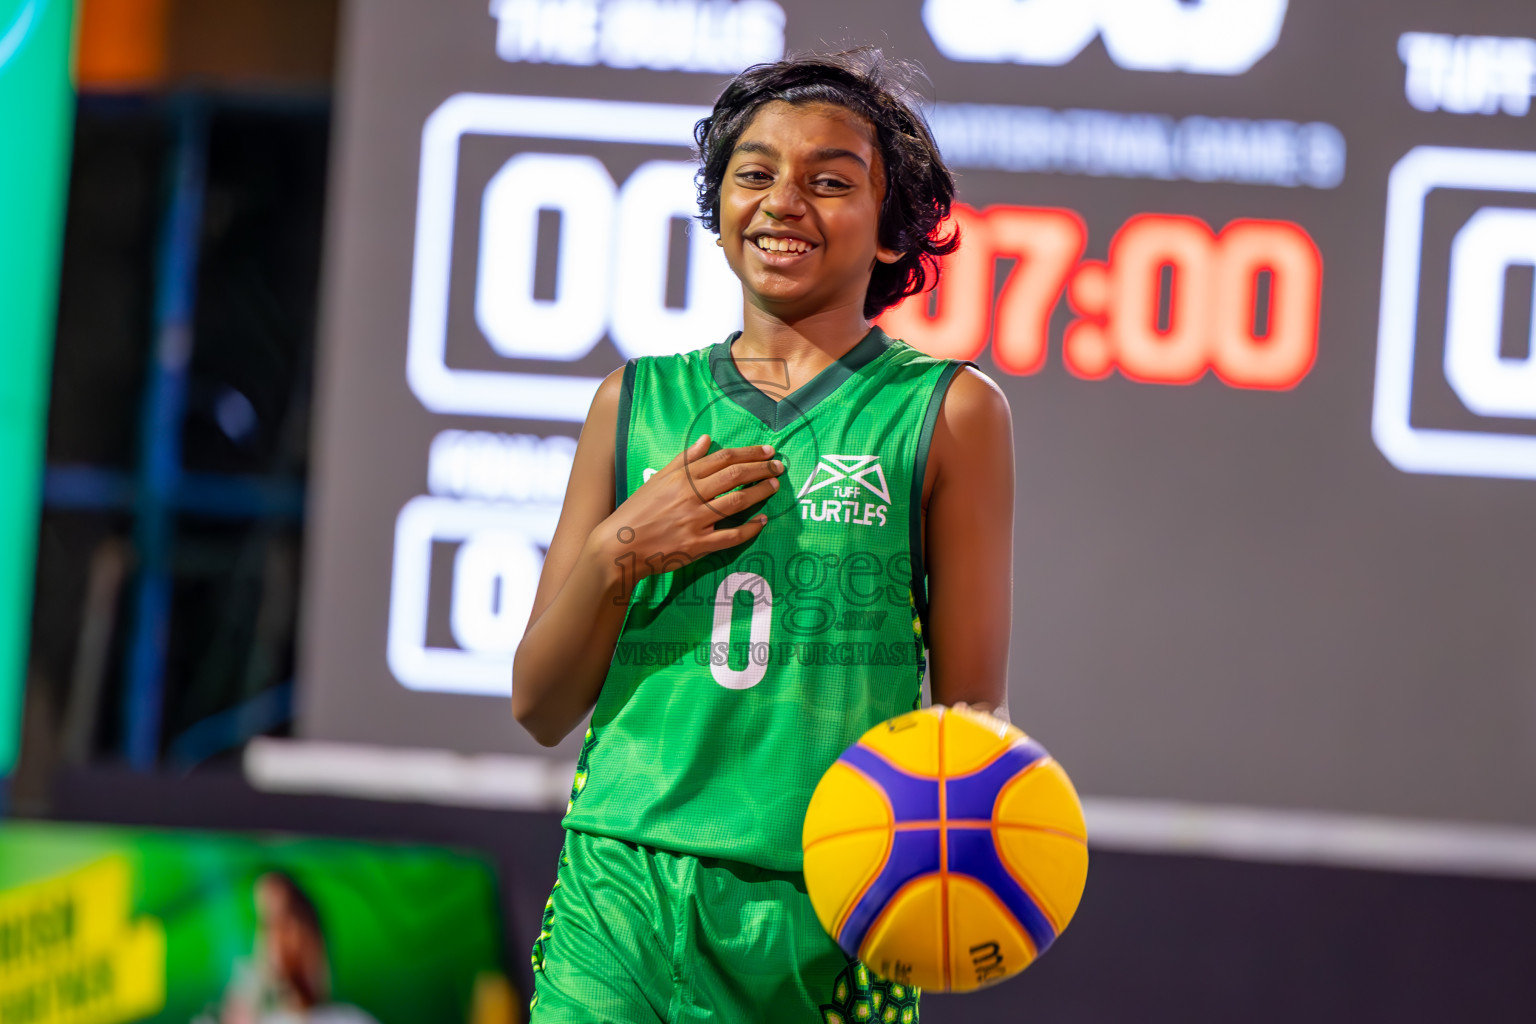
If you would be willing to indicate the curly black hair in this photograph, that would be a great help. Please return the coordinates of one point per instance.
(919, 188)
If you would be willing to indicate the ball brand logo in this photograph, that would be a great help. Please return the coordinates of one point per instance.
(843, 506)
(1213, 37)
(1484, 375)
(987, 958)
(1173, 300)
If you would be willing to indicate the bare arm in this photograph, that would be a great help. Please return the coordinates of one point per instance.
(969, 544)
(555, 682)
(583, 594)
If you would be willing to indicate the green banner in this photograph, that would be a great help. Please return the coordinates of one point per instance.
(36, 114)
(113, 926)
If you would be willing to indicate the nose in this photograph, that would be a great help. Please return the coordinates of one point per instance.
(784, 200)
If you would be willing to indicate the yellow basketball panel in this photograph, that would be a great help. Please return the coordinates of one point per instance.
(906, 942)
(844, 801)
(909, 741)
(1042, 796)
(986, 944)
(1051, 867)
(971, 739)
(838, 869)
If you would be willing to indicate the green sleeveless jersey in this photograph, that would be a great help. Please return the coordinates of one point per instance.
(739, 678)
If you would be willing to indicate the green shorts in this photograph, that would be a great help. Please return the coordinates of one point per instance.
(634, 935)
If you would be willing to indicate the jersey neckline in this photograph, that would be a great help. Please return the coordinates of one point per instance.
(779, 414)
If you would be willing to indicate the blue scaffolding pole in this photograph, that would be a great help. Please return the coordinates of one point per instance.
(165, 400)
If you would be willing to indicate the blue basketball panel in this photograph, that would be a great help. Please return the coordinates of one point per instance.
(913, 798)
(973, 853)
(913, 853)
(973, 796)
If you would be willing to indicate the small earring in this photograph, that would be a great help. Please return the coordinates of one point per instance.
(720, 242)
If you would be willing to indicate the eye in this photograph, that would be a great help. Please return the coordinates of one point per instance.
(832, 183)
(754, 177)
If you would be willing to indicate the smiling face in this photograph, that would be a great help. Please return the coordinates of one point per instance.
(800, 209)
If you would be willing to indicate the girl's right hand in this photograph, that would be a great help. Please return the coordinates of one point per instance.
(671, 519)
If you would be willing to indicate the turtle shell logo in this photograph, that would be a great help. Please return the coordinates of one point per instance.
(17, 19)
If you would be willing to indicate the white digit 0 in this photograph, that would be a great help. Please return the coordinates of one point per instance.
(494, 575)
(643, 325)
(515, 322)
(760, 627)
(1492, 240)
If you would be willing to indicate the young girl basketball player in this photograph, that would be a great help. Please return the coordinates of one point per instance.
(763, 543)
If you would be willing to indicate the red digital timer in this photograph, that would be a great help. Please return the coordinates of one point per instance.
(1173, 300)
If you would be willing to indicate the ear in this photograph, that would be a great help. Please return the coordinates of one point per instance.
(885, 255)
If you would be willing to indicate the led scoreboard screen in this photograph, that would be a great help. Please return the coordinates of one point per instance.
(1255, 275)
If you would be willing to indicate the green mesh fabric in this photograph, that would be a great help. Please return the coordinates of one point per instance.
(740, 677)
(635, 935)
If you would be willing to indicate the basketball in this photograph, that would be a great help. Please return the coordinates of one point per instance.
(945, 849)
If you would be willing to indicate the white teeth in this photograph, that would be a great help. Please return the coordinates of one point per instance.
(769, 244)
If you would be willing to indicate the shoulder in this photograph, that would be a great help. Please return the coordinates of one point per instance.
(603, 414)
(606, 401)
(972, 434)
(974, 399)
(975, 423)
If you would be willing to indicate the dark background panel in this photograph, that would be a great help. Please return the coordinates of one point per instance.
(1223, 594)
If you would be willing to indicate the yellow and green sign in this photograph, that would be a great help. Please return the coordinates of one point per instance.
(36, 114)
(106, 925)
(71, 951)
